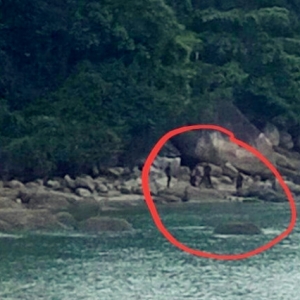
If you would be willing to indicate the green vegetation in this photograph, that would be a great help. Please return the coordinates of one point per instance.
(94, 82)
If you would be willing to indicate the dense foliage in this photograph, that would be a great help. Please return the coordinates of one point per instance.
(98, 81)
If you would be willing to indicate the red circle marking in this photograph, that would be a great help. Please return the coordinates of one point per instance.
(172, 239)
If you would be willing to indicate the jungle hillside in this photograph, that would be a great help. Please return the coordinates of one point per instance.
(85, 82)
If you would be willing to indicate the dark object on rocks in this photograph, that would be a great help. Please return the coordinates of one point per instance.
(185, 197)
(206, 177)
(239, 181)
(237, 228)
(193, 180)
(168, 173)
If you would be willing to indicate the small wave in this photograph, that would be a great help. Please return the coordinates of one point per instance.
(11, 236)
(226, 236)
(271, 231)
(190, 228)
(63, 234)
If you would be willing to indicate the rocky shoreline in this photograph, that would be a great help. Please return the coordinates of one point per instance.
(80, 204)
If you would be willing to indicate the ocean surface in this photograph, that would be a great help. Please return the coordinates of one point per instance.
(143, 265)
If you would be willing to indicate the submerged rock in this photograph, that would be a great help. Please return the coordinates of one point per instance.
(26, 219)
(237, 228)
(84, 209)
(67, 219)
(101, 224)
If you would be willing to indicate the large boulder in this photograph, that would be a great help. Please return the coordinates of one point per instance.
(215, 147)
(237, 228)
(102, 224)
(223, 150)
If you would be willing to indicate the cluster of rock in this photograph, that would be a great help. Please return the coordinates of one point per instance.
(66, 203)
(80, 203)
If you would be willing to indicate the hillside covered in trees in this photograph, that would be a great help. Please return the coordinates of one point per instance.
(87, 81)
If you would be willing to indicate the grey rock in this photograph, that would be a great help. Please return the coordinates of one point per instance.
(237, 228)
(226, 180)
(103, 224)
(27, 219)
(66, 218)
(14, 184)
(272, 134)
(125, 190)
(82, 192)
(101, 188)
(53, 184)
(84, 209)
(69, 182)
(168, 198)
(85, 182)
(229, 170)
(183, 173)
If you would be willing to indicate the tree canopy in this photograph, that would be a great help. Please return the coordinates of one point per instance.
(98, 81)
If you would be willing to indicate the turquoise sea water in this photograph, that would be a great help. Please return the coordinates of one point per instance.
(144, 265)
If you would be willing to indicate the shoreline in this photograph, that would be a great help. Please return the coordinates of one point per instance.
(83, 203)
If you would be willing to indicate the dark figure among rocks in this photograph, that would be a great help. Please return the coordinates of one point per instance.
(193, 179)
(239, 181)
(206, 177)
(168, 173)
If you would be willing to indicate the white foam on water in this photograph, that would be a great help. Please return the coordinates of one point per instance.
(190, 227)
(272, 231)
(11, 236)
